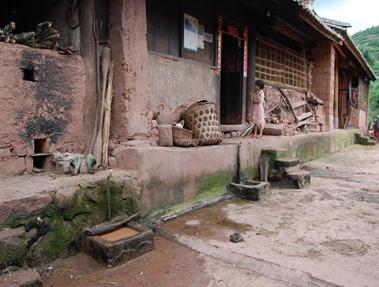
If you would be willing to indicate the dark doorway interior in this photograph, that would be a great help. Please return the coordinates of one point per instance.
(27, 14)
(231, 80)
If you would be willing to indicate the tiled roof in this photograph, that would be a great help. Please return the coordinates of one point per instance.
(328, 25)
(313, 15)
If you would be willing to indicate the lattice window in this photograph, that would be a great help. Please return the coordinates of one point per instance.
(280, 66)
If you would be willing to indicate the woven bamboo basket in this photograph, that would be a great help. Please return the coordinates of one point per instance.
(202, 119)
(182, 137)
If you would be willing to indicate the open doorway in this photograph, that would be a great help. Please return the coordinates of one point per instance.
(231, 80)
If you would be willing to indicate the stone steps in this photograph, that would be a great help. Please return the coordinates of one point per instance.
(285, 170)
(364, 140)
(287, 162)
(297, 177)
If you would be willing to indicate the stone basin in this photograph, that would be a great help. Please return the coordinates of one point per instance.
(120, 245)
(249, 189)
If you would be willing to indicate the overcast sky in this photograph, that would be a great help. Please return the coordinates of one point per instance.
(361, 14)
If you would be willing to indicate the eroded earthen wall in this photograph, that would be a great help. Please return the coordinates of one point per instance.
(131, 115)
(41, 95)
(176, 83)
(323, 79)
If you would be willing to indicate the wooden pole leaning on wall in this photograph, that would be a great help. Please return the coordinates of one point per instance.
(107, 116)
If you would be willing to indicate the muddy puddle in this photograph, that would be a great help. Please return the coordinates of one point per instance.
(118, 234)
(209, 222)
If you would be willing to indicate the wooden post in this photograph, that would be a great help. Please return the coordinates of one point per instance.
(336, 96)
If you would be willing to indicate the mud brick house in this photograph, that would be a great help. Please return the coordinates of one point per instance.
(167, 55)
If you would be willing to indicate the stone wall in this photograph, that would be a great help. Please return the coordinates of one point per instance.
(176, 82)
(41, 95)
(323, 79)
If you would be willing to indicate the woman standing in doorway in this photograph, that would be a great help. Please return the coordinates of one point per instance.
(258, 111)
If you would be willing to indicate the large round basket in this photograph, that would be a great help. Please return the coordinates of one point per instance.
(182, 137)
(202, 119)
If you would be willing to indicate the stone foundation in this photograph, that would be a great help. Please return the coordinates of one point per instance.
(43, 218)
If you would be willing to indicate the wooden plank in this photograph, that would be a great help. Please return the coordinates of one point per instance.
(287, 101)
(302, 123)
(299, 104)
(304, 116)
(273, 129)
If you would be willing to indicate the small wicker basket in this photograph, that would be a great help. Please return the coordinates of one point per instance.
(182, 137)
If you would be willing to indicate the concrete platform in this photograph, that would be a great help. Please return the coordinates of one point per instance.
(169, 175)
(172, 174)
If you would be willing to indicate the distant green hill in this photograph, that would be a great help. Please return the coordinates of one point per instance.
(368, 43)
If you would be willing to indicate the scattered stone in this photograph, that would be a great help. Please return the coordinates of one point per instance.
(165, 135)
(12, 247)
(112, 162)
(236, 238)
(62, 162)
(193, 223)
(21, 278)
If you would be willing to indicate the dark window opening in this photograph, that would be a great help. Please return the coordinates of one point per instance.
(354, 82)
(41, 146)
(28, 74)
(40, 162)
(41, 153)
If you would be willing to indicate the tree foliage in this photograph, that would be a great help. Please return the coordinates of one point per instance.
(368, 42)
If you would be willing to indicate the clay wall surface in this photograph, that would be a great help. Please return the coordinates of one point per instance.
(323, 79)
(52, 105)
(131, 116)
(177, 82)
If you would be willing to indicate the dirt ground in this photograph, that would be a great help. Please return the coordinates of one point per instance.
(324, 235)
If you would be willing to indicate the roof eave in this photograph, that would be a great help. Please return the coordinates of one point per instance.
(358, 55)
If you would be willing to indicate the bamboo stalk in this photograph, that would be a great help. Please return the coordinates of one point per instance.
(107, 116)
(98, 145)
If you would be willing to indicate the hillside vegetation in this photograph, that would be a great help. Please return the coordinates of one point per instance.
(368, 43)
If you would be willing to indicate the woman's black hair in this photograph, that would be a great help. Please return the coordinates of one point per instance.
(260, 84)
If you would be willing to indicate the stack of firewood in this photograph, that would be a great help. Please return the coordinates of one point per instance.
(45, 36)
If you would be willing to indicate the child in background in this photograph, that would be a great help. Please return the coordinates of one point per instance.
(258, 111)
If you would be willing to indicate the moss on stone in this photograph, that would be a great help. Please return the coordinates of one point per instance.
(13, 253)
(208, 187)
(60, 227)
(214, 183)
(251, 172)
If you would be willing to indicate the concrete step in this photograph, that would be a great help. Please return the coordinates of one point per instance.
(364, 140)
(297, 177)
(287, 162)
(21, 278)
(371, 142)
